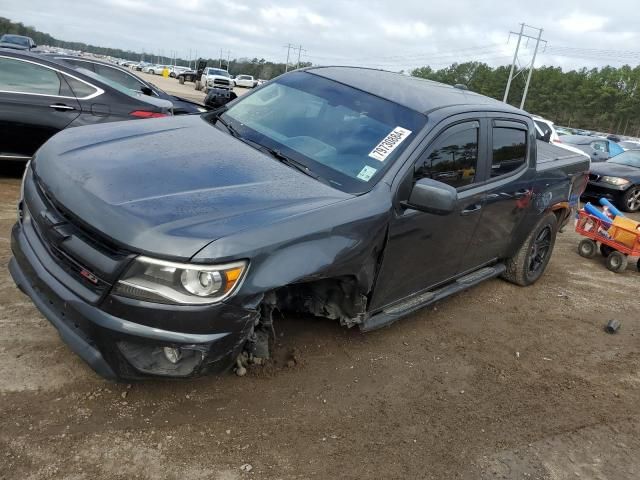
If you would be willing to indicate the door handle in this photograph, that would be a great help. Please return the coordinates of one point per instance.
(471, 209)
(60, 106)
(520, 194)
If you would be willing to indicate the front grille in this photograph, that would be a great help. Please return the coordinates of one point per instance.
(83, 255)
(221, 81)
(593, 177)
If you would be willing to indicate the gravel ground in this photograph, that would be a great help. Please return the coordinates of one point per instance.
(497, 382)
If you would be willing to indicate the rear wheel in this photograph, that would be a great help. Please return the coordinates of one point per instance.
(631, 199)
(531, 260)
(617, 262)
(152, 72)
(181, 79)
(172, 75)
(587, 248)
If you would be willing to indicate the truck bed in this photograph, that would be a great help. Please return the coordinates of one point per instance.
(551, 156)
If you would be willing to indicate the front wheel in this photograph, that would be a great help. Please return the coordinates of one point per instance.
(530, 261)
(617, 262)
(631, 199)
(152, 72)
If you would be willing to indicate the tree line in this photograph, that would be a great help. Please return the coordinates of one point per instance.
(258, 68)
(603, 99)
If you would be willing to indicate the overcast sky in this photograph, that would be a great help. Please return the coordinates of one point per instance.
(399, 34)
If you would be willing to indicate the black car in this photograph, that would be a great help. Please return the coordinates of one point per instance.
(164, 247)
(39, 97)
(617, 180)
(17, 42)
(127, 79)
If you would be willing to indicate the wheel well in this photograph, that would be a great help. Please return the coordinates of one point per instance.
(336, 298)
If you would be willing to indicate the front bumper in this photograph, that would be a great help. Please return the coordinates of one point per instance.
(117, 347)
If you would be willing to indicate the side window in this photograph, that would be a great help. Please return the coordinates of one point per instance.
(599, 146)
(80, 89)
(509, 150)
(453, 158)
(25, 77)
(118, 76)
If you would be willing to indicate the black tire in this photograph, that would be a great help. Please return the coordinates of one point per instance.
(587, 248)
(617, 262)
(198, 85)
(530, 261)
(631, 199)
(152, 72)
(638, 265)
(172, 75)
(181, 80)
(605, 250)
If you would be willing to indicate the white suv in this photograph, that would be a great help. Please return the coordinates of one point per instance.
(246, 81)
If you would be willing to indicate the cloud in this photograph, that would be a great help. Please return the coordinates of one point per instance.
(399, 34)
(583, 22)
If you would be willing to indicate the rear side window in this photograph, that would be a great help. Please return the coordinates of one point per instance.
(509, 150)
(453, 159)
(26, 77)
(118, 76)
(600, 146)
(80, 89)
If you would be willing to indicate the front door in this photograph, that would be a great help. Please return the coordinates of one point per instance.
(35, 104)
(424, 249)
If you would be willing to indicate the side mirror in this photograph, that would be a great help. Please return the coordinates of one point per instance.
(146, 90)
(432, 197)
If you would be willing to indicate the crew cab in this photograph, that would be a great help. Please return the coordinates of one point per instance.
(163, 247)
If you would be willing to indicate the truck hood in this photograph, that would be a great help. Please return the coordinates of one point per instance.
(170, 186)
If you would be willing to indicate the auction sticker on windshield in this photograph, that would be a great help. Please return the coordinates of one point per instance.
(389, 144)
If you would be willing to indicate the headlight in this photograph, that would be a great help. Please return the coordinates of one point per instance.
(614, 180)
(21, 197)
(180, 283)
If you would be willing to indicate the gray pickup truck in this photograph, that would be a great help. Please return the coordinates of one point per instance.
(163, 247)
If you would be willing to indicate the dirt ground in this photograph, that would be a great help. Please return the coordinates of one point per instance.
(498, 382)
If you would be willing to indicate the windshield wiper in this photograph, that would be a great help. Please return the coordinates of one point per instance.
(231, 129)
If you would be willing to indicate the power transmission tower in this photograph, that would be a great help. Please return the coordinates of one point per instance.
(529, 66)
(300, 50)
(288, 46)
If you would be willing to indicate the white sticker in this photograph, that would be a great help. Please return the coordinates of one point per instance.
(366, 173)
(389, 143)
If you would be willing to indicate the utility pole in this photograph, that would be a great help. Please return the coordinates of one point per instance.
(220, 62)
(529, 66)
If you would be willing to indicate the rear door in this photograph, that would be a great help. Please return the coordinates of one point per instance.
(35, 103)
(508, 187)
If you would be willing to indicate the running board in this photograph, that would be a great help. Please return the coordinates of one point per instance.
(397, 311)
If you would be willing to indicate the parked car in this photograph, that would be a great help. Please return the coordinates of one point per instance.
(546, 131)
(629, 145)
(246, 81)
(618, 180)
(139, 67)
(154, 69)
(187, 76)
(215, 78)
(217, 97)
(174, 71)
(39, 97)
(17, 42)
(128, 79)
(325, 192)
(598, 148)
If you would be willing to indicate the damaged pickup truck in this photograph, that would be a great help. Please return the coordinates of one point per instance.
(162, 247)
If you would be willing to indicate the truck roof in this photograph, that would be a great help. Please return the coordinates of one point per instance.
(416, 93)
